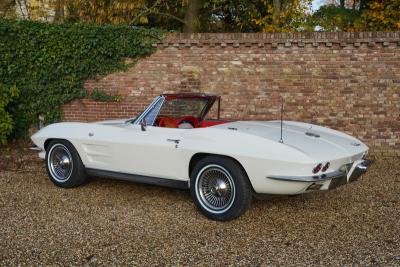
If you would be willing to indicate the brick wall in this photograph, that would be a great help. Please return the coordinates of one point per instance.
(346, 81)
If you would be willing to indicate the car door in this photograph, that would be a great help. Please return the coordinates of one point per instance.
(154, 151)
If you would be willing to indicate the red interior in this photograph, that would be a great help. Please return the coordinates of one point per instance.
(206, 123)
(192, 120)
(167, 122)
(170, 122)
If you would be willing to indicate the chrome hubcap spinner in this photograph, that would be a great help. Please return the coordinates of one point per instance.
(215, 189)
(60, 163)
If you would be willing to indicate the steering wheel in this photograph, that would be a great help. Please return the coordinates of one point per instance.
(188, 119)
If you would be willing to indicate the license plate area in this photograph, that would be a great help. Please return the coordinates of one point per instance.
(339, 181)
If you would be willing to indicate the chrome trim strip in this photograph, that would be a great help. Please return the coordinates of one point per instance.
(358, 170)
(315, 178)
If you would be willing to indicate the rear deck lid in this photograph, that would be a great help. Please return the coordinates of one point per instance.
(315, 141)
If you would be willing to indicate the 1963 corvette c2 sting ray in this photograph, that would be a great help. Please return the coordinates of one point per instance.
(224, 163)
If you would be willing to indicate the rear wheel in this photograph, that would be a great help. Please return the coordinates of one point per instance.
(220, 188)
(64, 166)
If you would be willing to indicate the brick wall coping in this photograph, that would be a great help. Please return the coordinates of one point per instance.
(287, 39)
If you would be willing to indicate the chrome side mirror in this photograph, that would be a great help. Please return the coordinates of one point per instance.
(143, 124)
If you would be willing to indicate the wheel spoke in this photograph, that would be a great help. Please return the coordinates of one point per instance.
(60, 163)
(215, 188)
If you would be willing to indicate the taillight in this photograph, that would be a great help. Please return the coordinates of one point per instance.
(317, 168)
(326, 166)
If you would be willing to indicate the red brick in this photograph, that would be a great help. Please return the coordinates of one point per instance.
(347, 81)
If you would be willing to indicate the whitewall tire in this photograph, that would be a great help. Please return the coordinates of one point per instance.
(220, 188)
(63, 164)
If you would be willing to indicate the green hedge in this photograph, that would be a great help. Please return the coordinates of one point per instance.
(7, 93)
(49, 63)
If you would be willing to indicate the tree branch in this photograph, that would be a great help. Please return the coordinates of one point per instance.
(148, 11)
(170, 16)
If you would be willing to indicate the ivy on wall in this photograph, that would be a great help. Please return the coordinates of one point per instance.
(101, 96)
(49, 63)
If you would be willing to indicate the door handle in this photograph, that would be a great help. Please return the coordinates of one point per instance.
(176, 141)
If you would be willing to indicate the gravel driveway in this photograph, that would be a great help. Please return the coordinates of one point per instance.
(109, 222)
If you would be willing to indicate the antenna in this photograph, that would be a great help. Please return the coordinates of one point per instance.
(281, 140)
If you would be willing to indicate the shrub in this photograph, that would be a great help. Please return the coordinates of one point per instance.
(50, 62)
(7, 93)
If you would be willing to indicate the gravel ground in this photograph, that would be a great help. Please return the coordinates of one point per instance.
(109, 222)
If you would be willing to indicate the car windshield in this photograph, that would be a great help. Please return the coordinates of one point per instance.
(183, 107)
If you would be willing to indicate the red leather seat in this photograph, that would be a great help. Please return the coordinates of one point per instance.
(167, 122)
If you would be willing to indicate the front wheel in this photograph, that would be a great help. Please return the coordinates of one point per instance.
(220, 188)
(64, 166)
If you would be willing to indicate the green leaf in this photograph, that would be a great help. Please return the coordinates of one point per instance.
(49, 64)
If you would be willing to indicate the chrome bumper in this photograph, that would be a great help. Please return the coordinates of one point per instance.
(337, 177)
(360, 169)
(315, 178)
(41, 152)
(35, 148)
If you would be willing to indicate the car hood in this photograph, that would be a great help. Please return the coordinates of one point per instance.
(315, 141)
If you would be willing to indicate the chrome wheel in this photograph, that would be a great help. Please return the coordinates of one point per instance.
(215, 189)
(60, 163)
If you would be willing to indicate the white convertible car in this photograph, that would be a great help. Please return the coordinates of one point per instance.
(173, 142)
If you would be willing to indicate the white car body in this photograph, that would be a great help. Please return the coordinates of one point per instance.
(125, 150)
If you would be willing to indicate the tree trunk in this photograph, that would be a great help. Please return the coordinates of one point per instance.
(192, 22)
(342, 3)
(22, 9)
(59, 11)
(276, 12)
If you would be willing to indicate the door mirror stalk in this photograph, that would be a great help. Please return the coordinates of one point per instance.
(143, 124)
